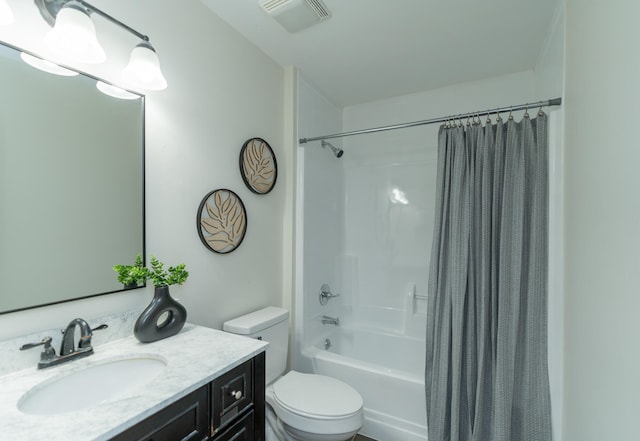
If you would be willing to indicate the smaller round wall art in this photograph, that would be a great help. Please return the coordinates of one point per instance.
(258, 166)
(222, 221)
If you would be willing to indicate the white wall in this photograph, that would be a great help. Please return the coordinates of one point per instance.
(549, 83)
(549, 69)
(602, 353)
(222, 91)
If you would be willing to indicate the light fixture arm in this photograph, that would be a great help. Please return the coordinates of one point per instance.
(113, 20)
(49, 10)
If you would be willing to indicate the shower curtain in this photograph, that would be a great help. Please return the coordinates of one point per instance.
(486, 364)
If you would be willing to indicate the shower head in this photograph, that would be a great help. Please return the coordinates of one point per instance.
(336, 151)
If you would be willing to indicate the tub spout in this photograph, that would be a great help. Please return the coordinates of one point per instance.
(326, 320)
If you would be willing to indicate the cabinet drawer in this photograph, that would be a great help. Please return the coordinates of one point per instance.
(242, 430)
(231, 394)
(184, 420)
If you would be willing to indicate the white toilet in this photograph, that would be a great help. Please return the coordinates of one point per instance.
(300, 407)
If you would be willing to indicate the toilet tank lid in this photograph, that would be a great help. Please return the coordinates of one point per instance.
(256, 321)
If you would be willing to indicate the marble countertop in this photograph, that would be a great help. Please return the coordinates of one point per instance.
(194, 357)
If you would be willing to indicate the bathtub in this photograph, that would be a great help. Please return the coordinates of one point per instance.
(387, 370)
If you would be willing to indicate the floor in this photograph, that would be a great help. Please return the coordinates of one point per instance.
(362, 438)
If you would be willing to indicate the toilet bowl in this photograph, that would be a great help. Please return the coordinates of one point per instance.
(300, 406)
(315, 407)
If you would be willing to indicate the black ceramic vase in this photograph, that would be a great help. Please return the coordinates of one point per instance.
(163, 317)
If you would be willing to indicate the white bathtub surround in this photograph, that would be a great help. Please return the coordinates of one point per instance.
(194, 357)
(386, 369)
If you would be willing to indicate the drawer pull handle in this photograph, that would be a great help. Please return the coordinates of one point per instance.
(237, 394)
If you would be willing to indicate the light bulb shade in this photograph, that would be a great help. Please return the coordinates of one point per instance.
(143, 70)
(74, 36)
(6, 15)
(47, 66)
(115, 91)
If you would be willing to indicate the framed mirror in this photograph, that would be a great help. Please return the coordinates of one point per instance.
(71, 185)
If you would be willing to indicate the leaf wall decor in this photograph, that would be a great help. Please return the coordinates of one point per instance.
(258, 166)
(222, 221)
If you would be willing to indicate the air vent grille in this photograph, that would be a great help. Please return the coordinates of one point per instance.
(270, 5)
(319, 8)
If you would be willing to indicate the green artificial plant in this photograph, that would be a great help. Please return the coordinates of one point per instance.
(138, 273)
(174, 275)
(132, 275)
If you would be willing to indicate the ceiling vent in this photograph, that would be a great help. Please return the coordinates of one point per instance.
(295, 15)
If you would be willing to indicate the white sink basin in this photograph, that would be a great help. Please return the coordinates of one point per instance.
(108, 381)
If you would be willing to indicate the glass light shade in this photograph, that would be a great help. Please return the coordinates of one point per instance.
(46, 66)
(6, 15)
(74, 36)
(143, 70)
(115, 91)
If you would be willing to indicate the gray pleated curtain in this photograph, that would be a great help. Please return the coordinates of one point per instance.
(486, 364)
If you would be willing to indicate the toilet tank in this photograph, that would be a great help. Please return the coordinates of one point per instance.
(269, 324)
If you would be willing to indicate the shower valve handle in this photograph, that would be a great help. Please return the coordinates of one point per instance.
(326, 294)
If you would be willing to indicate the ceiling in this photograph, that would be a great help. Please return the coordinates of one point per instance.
(374, 49)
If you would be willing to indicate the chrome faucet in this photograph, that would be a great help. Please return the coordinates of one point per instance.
(68, 349)
(326, 320)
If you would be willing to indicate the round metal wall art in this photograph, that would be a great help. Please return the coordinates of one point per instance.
(258, 166)
(222, 221)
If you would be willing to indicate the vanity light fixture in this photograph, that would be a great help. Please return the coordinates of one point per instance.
(6, 15)
(73, 37)
(46, 66)
(143, 69)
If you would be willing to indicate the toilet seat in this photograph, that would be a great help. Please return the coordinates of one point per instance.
(316, 403)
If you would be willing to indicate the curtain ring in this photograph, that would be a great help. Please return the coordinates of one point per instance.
(468, 116)
(526, 111)
(540, 112)
(498, 117)
(488, 121)
(510, 113)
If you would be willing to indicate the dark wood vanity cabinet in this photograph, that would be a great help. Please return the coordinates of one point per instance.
(230, 408)
(237, 403)
(186, 420)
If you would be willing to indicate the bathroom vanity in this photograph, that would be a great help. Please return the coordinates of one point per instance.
(201, 384)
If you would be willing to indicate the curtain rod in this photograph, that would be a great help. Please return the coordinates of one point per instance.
(550, 102)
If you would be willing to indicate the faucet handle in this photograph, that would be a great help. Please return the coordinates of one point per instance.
(48, 353)
(97, 328)
(45, 341)
(85, 340)
(326, 294)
